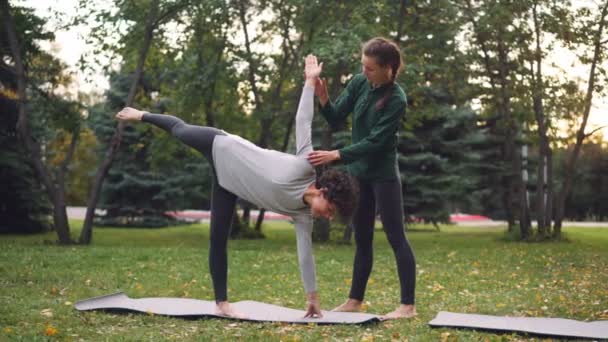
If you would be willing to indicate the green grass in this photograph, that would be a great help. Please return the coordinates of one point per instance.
(473, 270)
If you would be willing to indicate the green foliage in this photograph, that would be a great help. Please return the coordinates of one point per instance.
(468, 78)
(589, 198)
(440, 164)
(24, 206)
(50, 117)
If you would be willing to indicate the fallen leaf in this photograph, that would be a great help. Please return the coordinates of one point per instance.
(47, 312)
(50, 331)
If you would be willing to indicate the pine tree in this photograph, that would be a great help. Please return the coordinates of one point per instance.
(24, 207)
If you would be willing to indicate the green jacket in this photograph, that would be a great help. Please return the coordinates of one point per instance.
(373, 152)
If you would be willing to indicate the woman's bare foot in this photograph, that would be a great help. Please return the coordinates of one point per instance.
(403, 311)
(129, 114)
(351, 305)
(226, 310)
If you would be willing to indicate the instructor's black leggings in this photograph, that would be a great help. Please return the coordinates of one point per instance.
(387, 198)
(223, 202)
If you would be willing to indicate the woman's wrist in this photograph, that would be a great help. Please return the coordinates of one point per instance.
(310, 82)
(312, 298)
(323, 100)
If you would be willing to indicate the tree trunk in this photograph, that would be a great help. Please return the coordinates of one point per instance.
(260, 220)
(60, 218)
(580, 136)
(247, 215)
(60, 213)
(506, 184)
(102, 171)
(516, 183)
(401, 21)
(543, 168)
(549, 193)
(209, 115)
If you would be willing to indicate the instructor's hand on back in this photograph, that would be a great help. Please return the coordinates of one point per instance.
(319, 157)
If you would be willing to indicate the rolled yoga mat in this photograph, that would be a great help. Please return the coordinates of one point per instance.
(193, 308)
(557, 327)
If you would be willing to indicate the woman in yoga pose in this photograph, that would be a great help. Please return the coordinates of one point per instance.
(274, 180)
(377, 103)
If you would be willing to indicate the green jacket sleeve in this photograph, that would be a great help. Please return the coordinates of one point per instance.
(336, 113)
(380, 137)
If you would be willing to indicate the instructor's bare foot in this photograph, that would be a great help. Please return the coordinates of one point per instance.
(226, 310)
(403, 311)
(351, 305)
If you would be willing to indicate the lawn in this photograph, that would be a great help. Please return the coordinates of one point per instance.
(473, 270)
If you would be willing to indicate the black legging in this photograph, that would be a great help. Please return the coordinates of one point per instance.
(223, 202)
(386, 195)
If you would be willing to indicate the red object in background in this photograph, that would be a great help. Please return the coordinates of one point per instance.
(468, 218)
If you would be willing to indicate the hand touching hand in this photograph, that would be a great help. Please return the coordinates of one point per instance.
(312, 69)
(321, 90)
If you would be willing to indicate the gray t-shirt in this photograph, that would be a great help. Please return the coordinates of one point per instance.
(275, 180)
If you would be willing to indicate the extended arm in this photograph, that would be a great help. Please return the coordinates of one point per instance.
(336, 112)
(303, 226)
(305, 113)
(381, 135)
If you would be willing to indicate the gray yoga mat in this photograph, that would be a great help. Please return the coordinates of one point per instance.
(192, 308)
(539, 326)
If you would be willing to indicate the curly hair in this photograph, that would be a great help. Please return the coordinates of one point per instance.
(342, 191)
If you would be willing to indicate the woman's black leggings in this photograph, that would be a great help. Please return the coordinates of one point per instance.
(387, 198)
(223, 202)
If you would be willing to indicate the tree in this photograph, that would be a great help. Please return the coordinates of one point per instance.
(154, 17)
(24, 206)
(25, 54)
(589, 35)
(493, 52)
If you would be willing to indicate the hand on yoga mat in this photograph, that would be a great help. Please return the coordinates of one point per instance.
(313, 306)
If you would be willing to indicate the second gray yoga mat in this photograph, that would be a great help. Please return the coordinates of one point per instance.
(186, 307)
(534, 325)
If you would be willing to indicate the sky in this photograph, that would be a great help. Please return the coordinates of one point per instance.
(69, 45)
